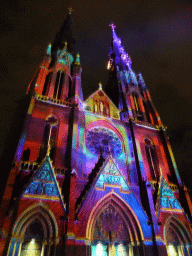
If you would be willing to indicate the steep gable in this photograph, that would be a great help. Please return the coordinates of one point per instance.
(167, 200)
(43, 184)
(105, 174)
(111, 176)
(99, 103)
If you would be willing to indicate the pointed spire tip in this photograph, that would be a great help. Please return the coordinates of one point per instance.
(70, 10)
(112, 25)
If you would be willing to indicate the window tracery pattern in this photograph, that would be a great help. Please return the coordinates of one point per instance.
(110, 227)
(102, 140)
(152, 159)
(177, 238)
(47, 84)
(58, 85)
(101, 108)
(137, 107)
(35, 233)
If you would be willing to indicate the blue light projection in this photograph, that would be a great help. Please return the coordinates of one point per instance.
(102, 140)
(49, 50)
(43, 182)
(111, 176)
(168, 200)
(62, 61)
(39, 188)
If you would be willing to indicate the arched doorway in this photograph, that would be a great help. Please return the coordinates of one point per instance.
(177, 238)
(114, 230)
(33, 239)
(35, 233)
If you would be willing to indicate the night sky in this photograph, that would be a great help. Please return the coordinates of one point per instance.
(156, 34)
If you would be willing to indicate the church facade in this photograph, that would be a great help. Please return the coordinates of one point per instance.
(95, 176)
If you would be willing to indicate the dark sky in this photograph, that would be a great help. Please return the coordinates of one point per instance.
(157, 34)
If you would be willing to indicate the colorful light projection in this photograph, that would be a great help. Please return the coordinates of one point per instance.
(31, 248)
(102, 140)
(171, 250)
(99, 250)
(124, 56)
(43, 183)
(168, 200)
(111, 249)
(111, 176)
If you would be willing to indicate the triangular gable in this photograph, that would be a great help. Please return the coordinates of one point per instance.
(167, 200)
(110, 176)
(101, 95)
(44, 184)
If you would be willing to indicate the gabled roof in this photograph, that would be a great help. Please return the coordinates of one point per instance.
(107, 174)
(43, 184)
(166, 200)
(110, 176)
(104, 94)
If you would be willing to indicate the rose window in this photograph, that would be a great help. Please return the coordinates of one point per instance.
(102, 140)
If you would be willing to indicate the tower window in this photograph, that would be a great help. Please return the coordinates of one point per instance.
(146, 112)
(152, 159)
(52, 142)
(47, 84)
(137, 107)
(58, 85)
(49, 139)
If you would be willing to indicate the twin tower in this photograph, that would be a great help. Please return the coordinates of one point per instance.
(96, 176)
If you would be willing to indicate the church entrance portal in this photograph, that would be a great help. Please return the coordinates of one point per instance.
(115, 233)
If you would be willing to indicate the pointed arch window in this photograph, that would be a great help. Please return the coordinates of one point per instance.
(146, 112)
(53, 140)
(58, 85)
(33, 239)
(34, 234)
(95, 106)
(153, 113)
(101, 107)
(152, 159)
(47, 84)
(70, 87)
(106, 109)
(137, 107)
(49, 139)
(114, 230)
(177, 238)
(44, 144)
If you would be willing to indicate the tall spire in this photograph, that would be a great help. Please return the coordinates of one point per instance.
(119, 61)
(118, 50)
(65, 35)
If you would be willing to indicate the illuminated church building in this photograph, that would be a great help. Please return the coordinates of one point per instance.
(94, 177)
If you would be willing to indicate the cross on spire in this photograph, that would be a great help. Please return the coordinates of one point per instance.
(100, 86)
(112, 25)
(70, 9)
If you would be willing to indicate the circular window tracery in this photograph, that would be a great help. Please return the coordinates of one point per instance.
(102, 140)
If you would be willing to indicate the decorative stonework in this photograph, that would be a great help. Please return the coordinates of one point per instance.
(110, 227)
(111, 176)
(102, 140)
(168, 200)
(43, 183)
